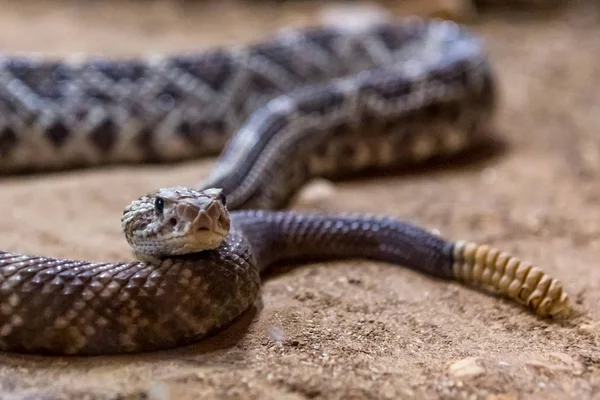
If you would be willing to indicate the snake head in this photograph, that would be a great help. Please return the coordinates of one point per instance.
(175, 221)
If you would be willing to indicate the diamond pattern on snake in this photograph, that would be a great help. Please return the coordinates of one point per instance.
(320, 102)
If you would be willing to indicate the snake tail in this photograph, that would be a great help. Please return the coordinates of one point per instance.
(510, 276)
(298, 237)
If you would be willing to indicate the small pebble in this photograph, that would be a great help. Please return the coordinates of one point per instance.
(277, 334)
(317, 193)
(489, 176)
(592, 327)
(467, 368)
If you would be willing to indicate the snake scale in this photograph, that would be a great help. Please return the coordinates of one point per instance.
(320, 102)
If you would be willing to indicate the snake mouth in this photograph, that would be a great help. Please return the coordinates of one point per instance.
(193, 241)
(205, 230)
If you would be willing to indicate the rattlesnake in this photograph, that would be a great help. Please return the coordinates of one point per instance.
(322, 102)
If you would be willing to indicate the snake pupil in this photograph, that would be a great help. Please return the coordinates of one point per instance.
(223, 198)
(159, 205)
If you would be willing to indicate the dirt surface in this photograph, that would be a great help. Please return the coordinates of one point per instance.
(350, 329)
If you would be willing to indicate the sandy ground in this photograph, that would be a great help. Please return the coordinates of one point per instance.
(351, 329)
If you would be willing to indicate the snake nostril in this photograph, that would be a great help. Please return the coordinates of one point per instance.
(173, 221)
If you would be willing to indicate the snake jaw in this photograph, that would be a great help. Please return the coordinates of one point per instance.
(188, 221)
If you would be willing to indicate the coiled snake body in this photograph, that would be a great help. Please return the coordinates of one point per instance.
(320, 102)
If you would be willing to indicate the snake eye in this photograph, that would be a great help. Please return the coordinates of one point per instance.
(159, 205)
(223, 198)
